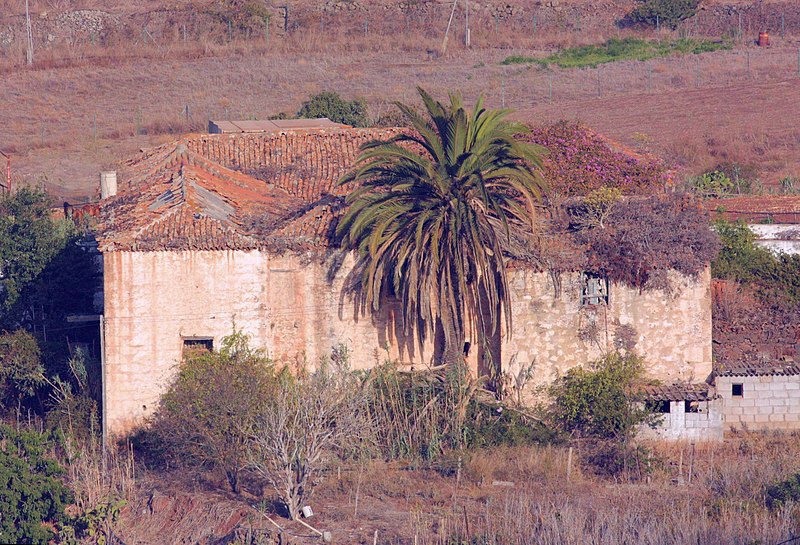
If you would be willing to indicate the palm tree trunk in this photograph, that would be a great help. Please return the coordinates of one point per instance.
(454, 336)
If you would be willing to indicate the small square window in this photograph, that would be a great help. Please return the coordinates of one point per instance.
(594, 289)
(691, 407)
(737, 390)
(195, 344)
(658, 407)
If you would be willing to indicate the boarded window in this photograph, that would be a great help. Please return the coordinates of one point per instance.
(195, 344)
(737, 390)
(594, 289)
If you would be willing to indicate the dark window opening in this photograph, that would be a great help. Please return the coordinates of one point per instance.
(692, 407)
(737, 390)
(198, 344)
(661, 407)
(594, 289)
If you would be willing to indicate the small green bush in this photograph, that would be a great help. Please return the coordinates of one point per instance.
(597, 402)
(779, 494)
(335, 108)
(666, 13)
(207, 414)
(32, 494)
(495, 425)
(21, 370)
(712, 184)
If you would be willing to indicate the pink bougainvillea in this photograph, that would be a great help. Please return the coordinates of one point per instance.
(580, 161)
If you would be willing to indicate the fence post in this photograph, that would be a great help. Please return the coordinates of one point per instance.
(748, 65)
(550, 86)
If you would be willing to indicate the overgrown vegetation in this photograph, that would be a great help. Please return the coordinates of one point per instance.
(32, 491)
(775, 277)
(308, 420)
(599, 404)
(208, 414)
(334, 107)
(579, 161)
(624, 49)
(661, 13)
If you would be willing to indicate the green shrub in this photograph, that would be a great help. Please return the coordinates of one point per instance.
(712, 184)
(207, 414)
(335, 108)
(773, 276)
(32, 494)
(21, 370)
(494, 425)
(666, 13)
(779, 494)
(597, 401)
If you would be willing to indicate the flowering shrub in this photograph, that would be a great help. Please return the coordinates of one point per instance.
(580, 161)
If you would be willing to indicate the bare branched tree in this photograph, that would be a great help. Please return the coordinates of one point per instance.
(311, 418)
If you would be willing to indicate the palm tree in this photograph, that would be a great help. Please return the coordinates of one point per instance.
(432, 214)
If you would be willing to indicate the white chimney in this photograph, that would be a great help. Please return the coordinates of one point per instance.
(108, 184)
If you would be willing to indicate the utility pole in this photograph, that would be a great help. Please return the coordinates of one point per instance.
(449, 23)
(466, 22)
(30, 33)
(8, 172)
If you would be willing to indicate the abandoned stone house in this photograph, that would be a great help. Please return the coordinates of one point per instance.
(237, 230)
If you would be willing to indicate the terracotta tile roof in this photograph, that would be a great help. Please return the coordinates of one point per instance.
(235, 191)
(184, 201)
(306, 164)
(755, 208)
(677, 392)
(785, 369)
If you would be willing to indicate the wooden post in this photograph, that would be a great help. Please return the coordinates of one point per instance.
(691, 464)
(550, 89)
(29, 49)
(748, 65)
(569, 464)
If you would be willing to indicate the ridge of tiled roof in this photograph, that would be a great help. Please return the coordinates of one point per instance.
(304, 163)
(181, 200)
(681, 391)
(236, 191)
(785, 369)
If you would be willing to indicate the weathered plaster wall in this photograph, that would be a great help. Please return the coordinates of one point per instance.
(704, 425)
(553, 334)
(293, 307)
(287, 305)
(766, 403)
(153, 299)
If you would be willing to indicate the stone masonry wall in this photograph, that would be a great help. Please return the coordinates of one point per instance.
(293, 306)
(552, 334)
(767, 402)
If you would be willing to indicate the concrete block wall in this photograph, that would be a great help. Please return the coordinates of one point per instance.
(767, 402)
(704, 425)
